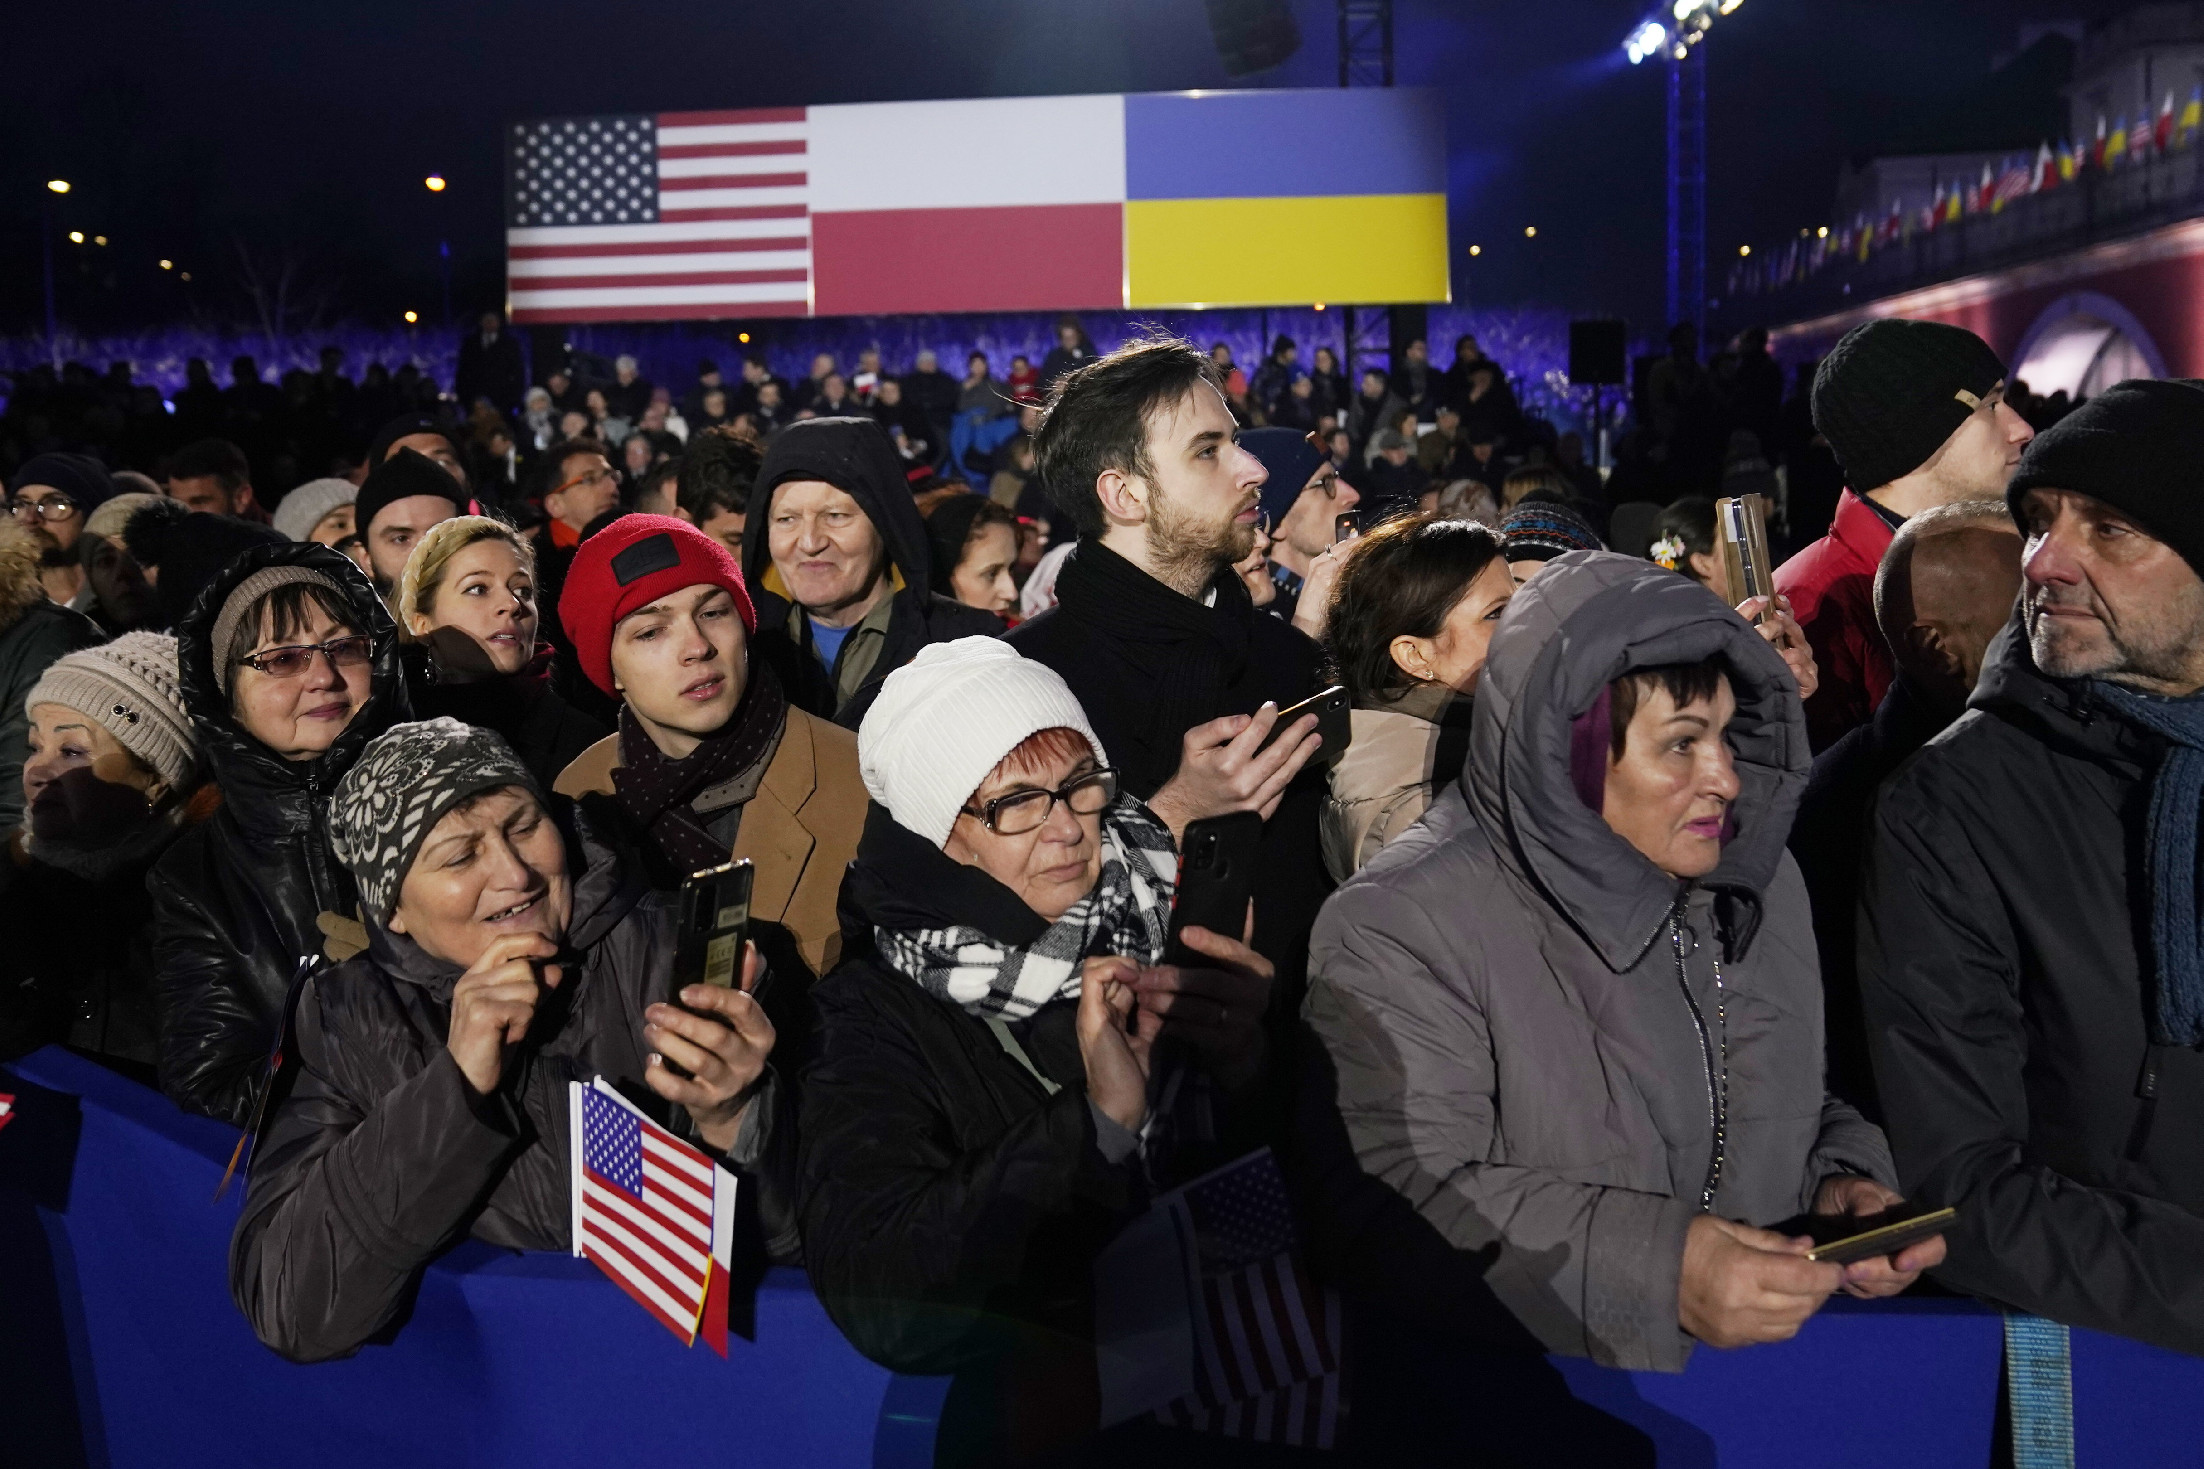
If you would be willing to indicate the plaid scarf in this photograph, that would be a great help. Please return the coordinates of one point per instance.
(1128, 912)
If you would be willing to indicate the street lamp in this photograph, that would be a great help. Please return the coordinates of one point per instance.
(46, 249)
(435, 184)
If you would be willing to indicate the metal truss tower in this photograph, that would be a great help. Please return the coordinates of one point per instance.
(1366, 43)
(1687, 187)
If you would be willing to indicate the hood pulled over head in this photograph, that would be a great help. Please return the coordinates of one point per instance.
(1586, 620)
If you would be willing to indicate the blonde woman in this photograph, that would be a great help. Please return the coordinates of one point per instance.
(467, 605)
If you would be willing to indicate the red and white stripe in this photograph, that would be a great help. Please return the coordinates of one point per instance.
(659, 1249)
(733, 237)
(1267, 1340)
(7, 1108)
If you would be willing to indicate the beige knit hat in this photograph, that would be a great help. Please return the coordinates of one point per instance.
(129, 688)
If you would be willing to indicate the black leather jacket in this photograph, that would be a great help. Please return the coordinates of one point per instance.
(235, 901)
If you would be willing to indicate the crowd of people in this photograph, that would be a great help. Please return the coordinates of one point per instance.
(1630, 941)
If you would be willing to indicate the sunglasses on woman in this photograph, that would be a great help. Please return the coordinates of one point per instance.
(290, 662)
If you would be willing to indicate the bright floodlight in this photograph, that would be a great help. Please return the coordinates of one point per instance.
(434, 183)
(59, 186)
(413, 316)
(1674, 27)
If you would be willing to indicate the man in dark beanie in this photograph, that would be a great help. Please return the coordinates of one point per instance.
(1915, 412)
(424, 436)
(2030, 964)
(1303, 498)
(403, 496)
(52, 496)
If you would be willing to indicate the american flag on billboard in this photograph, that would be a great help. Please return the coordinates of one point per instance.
(653, 1212)
(1266, 1359)
(659, 217)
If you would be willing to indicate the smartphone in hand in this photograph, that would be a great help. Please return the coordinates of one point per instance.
(714, 924)
(1216, 881)
(1334, 721)
(1842, 1240)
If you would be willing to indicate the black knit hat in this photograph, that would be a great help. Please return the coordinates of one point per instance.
(2138, 447)
(1892, 391)
(400, 477)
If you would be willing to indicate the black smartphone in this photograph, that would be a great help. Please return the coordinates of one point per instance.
(1841, 1241)
(1216, 880)
(714, 924)
(1334, 721)
(1345, 525)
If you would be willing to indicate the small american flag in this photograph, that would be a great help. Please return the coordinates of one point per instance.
(653, 1212)
(1266, 1359)
(672, 216)
(7, 1108)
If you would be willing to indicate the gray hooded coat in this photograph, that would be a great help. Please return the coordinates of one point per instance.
(1532, 1041)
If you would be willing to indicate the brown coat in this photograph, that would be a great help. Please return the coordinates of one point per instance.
(800, 829)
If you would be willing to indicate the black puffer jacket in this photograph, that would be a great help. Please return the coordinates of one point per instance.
(2004, 927)
(236, 899)
(854, 456)
(379, 1156)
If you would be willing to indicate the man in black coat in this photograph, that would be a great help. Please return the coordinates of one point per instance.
(1179, 673)
(837, 561)
(490, 366)
(1944, 589)
(2029, 918)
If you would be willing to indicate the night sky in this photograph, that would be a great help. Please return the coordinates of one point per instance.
(292, 137)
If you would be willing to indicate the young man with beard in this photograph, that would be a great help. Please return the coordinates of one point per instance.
(52, 496)
(836, 548)
(2028, 930)
(1915, 412)
(403, 496)
(212, 475)
(1181, 675)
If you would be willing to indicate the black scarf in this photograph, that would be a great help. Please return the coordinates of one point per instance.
(655, 791)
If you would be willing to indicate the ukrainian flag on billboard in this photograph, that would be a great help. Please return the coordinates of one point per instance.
(1187, 199)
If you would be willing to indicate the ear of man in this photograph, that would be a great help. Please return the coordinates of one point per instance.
(1124, 497)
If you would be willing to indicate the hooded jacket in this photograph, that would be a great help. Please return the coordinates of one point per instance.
(379, 1155)
(2008, 1011)
(1538, 1036)
(853, 455)
(236, 899)
(33, 633)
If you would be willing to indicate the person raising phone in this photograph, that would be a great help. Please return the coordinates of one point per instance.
(990, 1101)
(425, 1094)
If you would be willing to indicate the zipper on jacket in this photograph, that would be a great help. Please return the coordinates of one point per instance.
(1717, 1067)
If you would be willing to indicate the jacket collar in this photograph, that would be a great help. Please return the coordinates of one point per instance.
(1860, 530)
(2062, 712)
(1102, 587)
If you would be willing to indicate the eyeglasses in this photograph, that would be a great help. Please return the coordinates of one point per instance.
(53, 507)
(596, 476)
(1023, 811)
(352, 652)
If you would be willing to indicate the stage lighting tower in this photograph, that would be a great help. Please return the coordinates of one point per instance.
(1675, 33)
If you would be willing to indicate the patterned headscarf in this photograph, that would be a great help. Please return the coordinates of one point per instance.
(403, 783)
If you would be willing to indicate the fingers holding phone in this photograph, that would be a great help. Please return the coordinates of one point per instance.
(720, 1037)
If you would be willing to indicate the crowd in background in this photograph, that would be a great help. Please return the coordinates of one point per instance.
(389, 725)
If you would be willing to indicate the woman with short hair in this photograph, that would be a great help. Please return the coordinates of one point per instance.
(1573, 1021)
(467, 601)
(289, 665)
(1002, 1081)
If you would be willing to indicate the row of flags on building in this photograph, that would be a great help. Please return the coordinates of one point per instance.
(2117, 145)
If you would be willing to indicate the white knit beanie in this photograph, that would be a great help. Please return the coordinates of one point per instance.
(129, 688)
(303, 508)
(947, 717)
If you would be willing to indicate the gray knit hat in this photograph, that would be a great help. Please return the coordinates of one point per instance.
(113, 515)
(233, 634)
(303, 508)
(129, 688)
(401, 786)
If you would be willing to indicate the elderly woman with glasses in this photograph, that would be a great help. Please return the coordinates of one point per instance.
(1013, 1070)
(289, 667)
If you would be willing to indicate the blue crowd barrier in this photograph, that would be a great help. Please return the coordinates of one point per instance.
(119, 1346)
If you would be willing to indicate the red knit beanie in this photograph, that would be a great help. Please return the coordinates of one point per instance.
(631, 563)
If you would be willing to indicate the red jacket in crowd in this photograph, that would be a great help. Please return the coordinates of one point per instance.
(1831, 585)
